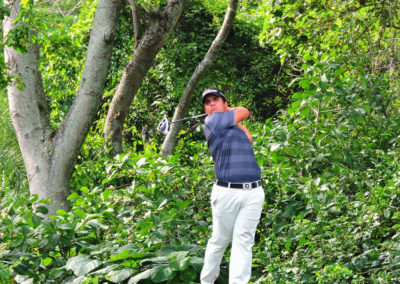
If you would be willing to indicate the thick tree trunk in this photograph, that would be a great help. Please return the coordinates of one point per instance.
(141, 61)
(49, 159)
(171, 140)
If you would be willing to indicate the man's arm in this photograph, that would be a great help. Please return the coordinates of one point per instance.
(241, 114)
(246, 131)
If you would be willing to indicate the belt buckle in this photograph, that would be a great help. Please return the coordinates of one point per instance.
(247, 185)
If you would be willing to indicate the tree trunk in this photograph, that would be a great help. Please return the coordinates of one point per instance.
(141, 61)
(171, 140)
(50, 159)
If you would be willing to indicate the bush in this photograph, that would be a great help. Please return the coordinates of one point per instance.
(12, 169)
(331, 167)
(146, 219)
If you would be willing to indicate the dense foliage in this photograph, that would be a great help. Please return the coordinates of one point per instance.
(246, 71)
(138, 220)
(330, 158)
(12, 170)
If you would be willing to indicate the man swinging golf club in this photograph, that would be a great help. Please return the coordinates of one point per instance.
(237, 196)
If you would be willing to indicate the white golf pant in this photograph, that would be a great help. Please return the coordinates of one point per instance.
(236, 213)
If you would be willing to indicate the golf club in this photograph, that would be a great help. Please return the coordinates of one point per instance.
(164, 124)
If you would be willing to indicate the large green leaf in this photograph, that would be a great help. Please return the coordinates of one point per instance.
(196, 263)
(156, 274)
(188, 276)
(82, 264)
(117, 276)
(168, 249)
(142, 276)
(165, 273)
(180, 264)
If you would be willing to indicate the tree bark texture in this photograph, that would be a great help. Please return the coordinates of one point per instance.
(171, 139)
(141, 61)
(50, 157)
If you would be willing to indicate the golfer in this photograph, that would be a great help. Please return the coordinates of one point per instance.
(237, 196)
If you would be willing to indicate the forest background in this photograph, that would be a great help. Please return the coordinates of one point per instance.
(321, 79)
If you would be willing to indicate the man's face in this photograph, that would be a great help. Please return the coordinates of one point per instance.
(213, 103)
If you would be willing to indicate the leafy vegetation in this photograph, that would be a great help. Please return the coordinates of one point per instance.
(332, 177)
(12, 170)
(140, 222)
(330, 157)
(243, 68)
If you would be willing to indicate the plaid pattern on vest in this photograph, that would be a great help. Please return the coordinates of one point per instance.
(233, 155)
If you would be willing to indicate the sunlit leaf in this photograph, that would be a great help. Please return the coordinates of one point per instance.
(82, 264)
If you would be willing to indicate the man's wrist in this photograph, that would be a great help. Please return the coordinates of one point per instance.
(233, 108)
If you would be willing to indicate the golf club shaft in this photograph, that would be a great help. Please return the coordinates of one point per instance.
(187, 118)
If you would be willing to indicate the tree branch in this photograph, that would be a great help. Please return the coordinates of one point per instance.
(135, 19)
(58, 7)
(142, 59)
(75, 7)
(76, 125)
(171, 140)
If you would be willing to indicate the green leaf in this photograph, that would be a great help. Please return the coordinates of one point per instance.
(175, 266)
(73, 196)
(147, 274)
(105, 270)
(24, 2)
(80, 213)
(36, 220)
(308, 57)
(61, 212)
(339, 90)
(119, 275)
(168, 249)
(141, 162)
(66, 227)
(323, 83)
(196, 263)
(165, 273)
(275, 146)
(304, 84)
(42, 209)
(4, 11)
(106, 194)
(33, 198)
(157, 259)
(47, 261)
(95, 223)
(123, 255)
(53, 239)
(188, 276)
(82, 264)
(180, 265)
(84, 189)
(302, 241)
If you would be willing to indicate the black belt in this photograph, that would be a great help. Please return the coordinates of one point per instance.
(248, 185)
